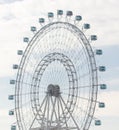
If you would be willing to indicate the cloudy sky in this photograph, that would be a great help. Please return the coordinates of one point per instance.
(16, 17)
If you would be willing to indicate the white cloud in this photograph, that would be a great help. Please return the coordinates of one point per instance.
(8, 1)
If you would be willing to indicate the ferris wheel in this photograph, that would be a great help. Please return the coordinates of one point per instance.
(57, 83)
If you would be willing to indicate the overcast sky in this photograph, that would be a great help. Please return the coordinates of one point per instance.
(16, 17)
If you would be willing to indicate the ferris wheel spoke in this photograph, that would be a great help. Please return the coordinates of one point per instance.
(34, 57)
(26, 73)
(25, 83)
(80, 86)
(30, 64)
(31, 84)
(84, 75)
(34, 54)
(81, 65)
(85, 86)
(23, 105)
(83, 98)
(69, 88)
(24, 94)
(84, 111)
(87, 99)
(80, 53)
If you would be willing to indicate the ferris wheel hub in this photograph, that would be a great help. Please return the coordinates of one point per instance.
(53, 90)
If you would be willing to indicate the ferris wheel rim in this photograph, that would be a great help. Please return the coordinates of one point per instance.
(92, 59)
(70, 73)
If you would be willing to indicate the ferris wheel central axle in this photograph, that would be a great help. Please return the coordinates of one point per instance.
(53, 90)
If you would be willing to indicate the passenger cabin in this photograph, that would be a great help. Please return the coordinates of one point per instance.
(11, 112)
(93, 37)
(19, 52)
(86, 26)
(101, 105)
(99, 52)
(59, 12)
(41, 20)
(13, 127)
(33, 29)
(11, 97)
(69, 13)
(103, 86)
(102, 68)
(97, 122)
(12, 81)
(15, 66)
(50, 15)
(78, 18)
(26, 39)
